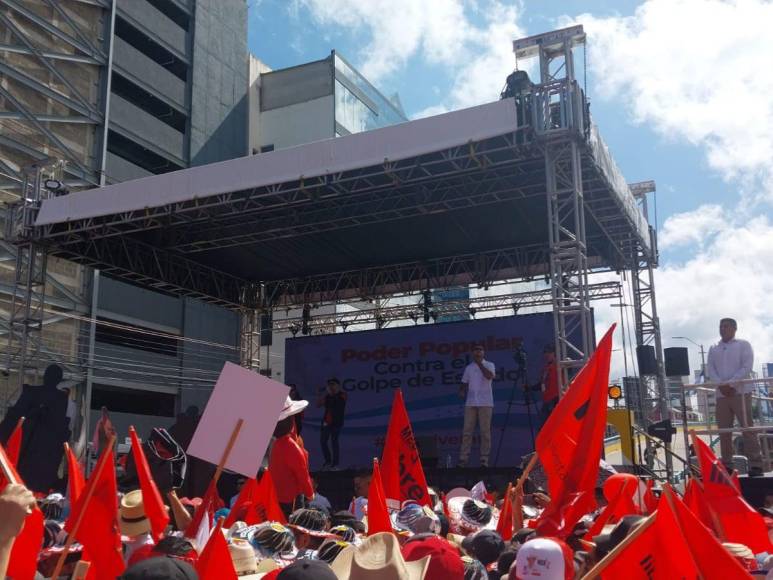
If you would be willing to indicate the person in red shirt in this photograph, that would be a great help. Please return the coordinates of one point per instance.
(289, 461)
(548, 383)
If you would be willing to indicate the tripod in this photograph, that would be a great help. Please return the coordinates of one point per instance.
(520, 380)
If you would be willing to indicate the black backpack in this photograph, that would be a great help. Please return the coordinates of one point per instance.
(166, 459)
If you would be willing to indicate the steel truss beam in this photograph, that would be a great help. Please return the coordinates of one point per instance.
(468, 306)
(481, 269)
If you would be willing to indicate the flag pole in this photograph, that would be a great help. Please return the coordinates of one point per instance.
(227, 450)
(8, 470)
(90, 492)
(718, 527)
(609, 558)
(527, 470)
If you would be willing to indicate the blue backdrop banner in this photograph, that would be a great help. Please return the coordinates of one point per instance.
(427, 362)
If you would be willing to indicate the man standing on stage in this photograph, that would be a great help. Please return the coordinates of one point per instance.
(732, 359)
(548, 383)
(333, 399)
(476, 388)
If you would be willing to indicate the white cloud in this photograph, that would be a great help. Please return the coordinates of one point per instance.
(697, 70)
(440, 32)
(692, 227)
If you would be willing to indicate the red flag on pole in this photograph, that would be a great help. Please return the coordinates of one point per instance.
(657, 551)
(378, 516)
(694, 500)
(569, 444)
(713, 560)
(97, 510)
(215, 562)
(738, 521)
(207, 507)
(505, 524)
(13, 445)
(620, 505)
(256, 503)
(23, 560)
(155, 510)
(650, 501)
(75, 480)
(403, 473)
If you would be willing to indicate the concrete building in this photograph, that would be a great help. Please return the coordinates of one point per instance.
(300, 104)
(122, 89)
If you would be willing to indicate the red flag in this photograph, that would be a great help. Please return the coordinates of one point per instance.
(13, 445)
(23, 560)
(620, 505)
(256, 503)
(75, 480)
(215, 562)
(738, 522)
(404, 476)
(208, 506)
(505, 524)
(98, 529)
(736, 481)
(694, 500)
(155, 510)
(378, 517)
(713, 560)
(659, 552)
(569, 444)
(650, 501)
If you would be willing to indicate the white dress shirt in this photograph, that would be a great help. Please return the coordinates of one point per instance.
(731, 361)
(479, 392)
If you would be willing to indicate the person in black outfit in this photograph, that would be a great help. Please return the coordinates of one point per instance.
(44, 431)
(295, 395)
(333, 399)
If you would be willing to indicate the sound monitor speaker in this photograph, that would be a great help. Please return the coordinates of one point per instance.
(677, 362)
(645, 356)
(428, 450)
(266, 329)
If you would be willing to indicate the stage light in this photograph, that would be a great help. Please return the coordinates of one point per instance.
(414, 316)
(380, 320)
(433, 314)
(516, 306)
(306, 319)
(615, 392)
(472, 311)
(344, 326)
(294, 328)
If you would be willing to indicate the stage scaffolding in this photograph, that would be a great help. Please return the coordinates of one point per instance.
(383, 213)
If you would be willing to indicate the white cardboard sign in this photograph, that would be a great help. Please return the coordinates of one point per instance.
(239, 394)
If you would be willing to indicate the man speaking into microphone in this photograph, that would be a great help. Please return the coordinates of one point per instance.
(476, 389)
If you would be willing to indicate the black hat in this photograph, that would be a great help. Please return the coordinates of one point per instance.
(310, 521)
(522, 535)
(485, 545)
(506, 560)
(606, 542)
(330, 549)
(347, 518)
(307, 570)
(160, 569)
(346, 533)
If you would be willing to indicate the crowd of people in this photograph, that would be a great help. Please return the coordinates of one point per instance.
(562, 517)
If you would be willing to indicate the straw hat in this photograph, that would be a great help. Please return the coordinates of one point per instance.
(467, 515)
(131, 515)
(378, 558)
(291, 408)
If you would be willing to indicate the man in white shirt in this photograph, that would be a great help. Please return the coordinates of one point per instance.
(476, 388)
(732, 359)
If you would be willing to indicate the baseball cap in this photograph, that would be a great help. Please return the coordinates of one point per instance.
(307, 570)
(543, 559)
(485, 545)
(160, 569)
(445, 562)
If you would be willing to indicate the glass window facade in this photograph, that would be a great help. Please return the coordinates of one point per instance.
(358, 105)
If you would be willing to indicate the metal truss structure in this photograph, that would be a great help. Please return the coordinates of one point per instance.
(568, 207)
(383, 315)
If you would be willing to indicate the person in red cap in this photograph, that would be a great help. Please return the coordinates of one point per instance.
(445, 562)
(289, 461)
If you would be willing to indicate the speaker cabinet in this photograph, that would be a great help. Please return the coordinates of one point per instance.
(677, 361)
(645, 357)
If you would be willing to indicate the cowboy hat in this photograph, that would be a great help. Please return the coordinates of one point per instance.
(378, 558)
(467, 515)
(131, 515)
(291, 408)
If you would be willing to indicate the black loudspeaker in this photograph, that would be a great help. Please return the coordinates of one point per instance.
(677, 362)
(266, 329)
(645, 356)
(428, 450)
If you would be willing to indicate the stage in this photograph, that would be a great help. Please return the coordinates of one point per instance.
(755, 489)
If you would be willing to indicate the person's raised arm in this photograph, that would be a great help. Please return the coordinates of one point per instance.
(15, 503)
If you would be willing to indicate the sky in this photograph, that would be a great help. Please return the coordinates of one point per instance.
(682, 91)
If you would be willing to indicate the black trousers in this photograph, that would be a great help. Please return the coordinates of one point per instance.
(330, 433)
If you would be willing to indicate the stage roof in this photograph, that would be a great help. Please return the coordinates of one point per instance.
(453, 199)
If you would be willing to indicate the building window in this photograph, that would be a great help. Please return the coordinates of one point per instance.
(137, 337)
